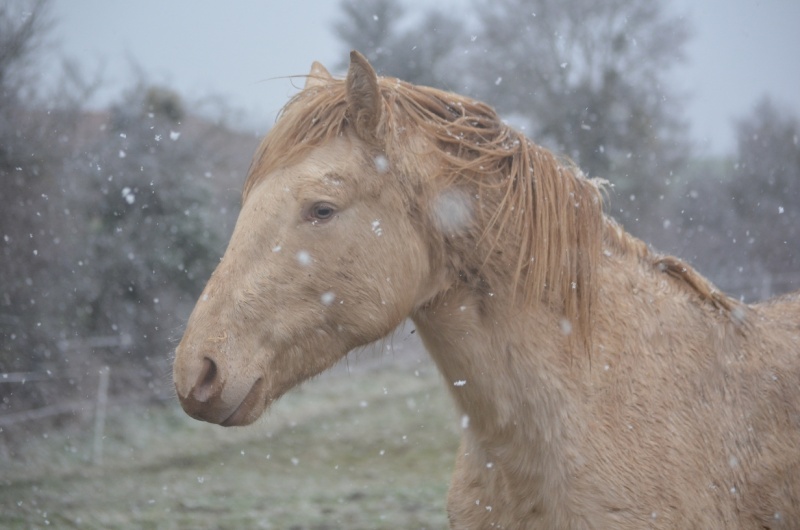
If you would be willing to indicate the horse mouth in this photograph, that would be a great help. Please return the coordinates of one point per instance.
(251, 407)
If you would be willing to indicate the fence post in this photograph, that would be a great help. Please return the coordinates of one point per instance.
(100, 415)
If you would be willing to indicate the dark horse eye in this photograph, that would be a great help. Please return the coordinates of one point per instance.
(322, 211)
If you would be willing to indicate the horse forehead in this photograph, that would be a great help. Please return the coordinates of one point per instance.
(341, 165)
(332, 153)
(337, 157)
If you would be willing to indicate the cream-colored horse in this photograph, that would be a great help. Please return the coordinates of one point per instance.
(606, 386)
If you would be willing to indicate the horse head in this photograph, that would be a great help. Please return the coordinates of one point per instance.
(325, 257)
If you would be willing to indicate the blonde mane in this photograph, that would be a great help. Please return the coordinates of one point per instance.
(541, 220)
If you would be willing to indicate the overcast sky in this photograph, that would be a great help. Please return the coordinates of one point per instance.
(741, 50)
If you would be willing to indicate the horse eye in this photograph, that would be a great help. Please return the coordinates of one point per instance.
(322, 211)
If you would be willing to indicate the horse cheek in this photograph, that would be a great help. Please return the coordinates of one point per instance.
(374, 279)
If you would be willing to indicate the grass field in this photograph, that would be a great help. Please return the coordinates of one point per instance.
(366, 448)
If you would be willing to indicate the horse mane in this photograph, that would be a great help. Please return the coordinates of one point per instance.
(541, 219)
(681, 272)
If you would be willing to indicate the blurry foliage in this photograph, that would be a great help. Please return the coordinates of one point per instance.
(766, 187)
(738, 219)
(590, 78)
(25, 176)
(23, 26)
(418, 52)
(152, 236)
(112, 221)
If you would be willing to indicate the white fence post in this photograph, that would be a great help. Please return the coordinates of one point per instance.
(100, 416)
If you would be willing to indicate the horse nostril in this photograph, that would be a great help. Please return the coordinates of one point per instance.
(206, 381)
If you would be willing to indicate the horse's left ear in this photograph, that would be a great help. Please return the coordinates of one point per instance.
(319, 75)
(364, 104)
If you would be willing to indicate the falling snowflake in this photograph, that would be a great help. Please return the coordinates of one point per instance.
(128, 195)
(304, 258)
(381, 164)
(327, 298)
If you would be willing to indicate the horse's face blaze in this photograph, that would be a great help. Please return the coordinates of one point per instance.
(324, 257)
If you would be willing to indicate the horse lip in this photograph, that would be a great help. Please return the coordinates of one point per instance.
(242, 413)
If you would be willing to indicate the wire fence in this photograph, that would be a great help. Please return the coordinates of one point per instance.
(91, 410)
(98, 406)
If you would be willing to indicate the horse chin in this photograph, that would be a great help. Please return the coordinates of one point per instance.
(251, 408)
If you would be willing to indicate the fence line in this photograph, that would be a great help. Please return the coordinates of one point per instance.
(100, 406)
(48, 410)
(100, 417)
(66, 408)
(24, 377)
(44, 412)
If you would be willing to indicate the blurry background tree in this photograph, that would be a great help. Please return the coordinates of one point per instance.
(419, 51)
(766, 188)
(111, 222)
(737, 217)
(28, 152)
(590, 78)
(153, 231)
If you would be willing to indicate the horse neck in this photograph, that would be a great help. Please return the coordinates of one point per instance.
(529, 394)
(516, 371)
(508, 372)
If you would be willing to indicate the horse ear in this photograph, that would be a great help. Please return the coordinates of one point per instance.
(318, 76)
(364, 104)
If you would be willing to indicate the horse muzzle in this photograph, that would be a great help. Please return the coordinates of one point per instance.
(206, 394)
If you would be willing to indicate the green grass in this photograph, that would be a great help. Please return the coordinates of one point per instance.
(366, 450)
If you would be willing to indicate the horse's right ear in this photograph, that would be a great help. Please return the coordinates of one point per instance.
(318, 76)
(364, 104)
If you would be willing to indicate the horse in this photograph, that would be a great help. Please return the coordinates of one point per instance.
(605, 385)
